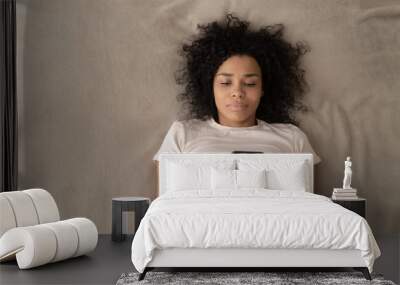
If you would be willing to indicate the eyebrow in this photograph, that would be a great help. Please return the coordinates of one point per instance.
(245, 75)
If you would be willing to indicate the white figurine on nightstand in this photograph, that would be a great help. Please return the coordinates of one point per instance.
(347, 192)
(347, 174)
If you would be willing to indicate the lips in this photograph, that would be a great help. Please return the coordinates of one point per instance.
(236, 106)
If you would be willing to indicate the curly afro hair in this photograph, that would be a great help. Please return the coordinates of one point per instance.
(282, 77)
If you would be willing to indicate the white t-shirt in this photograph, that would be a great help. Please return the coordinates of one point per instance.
(197, 136)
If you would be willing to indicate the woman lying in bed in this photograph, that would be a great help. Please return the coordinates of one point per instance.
(241, 87)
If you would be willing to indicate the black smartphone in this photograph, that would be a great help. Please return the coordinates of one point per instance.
(246, 151)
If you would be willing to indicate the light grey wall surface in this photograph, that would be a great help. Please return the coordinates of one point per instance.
(96, 94)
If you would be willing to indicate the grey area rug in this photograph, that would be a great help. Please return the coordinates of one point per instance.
(273, 278)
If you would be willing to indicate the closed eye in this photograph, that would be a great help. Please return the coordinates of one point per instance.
(246, 84)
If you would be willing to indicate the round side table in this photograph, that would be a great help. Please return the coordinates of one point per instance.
(126, 204)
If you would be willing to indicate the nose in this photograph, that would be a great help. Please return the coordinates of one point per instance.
(237, 92)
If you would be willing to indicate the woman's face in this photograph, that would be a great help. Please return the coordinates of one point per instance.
(237, 91)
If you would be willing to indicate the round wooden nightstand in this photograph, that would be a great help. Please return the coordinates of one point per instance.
(126, 204)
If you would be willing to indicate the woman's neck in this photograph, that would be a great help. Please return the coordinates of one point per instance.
(237, 124)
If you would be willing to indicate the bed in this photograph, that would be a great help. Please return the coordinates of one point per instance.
(247, 210)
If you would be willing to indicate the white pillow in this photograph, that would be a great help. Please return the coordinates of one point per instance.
(293, 179)
(236, 179)
(223, 179)
(251, 178)
(186, 175)
(281, 174)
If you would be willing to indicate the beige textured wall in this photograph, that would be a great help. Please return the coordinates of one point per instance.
(97, 94)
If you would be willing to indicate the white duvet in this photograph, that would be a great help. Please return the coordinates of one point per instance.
(252, 218)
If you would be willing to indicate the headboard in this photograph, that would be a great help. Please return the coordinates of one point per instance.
(236, 159)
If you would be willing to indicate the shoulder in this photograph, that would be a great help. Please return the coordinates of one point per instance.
(289, 131)
(182, 124)
(295, 130)
(191, 124)
(280, 128)
(182, 128)
(297, 138)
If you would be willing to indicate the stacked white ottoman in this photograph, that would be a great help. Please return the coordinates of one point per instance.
(31, 230)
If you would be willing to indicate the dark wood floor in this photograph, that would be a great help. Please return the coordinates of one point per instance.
(110, 260)
(103, 266)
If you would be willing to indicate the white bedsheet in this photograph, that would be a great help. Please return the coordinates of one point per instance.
(251, 218)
